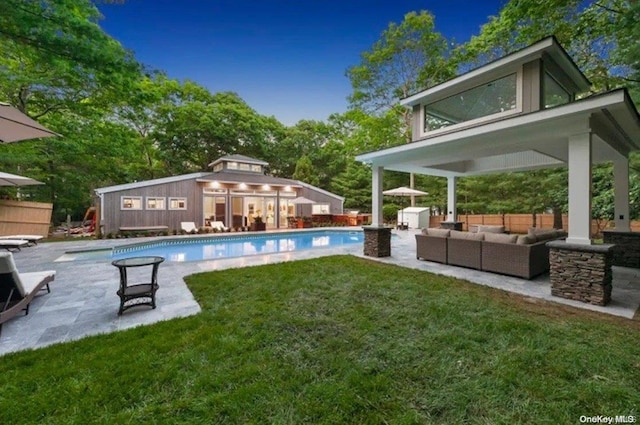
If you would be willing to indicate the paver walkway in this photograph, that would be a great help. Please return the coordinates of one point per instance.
(83, 298)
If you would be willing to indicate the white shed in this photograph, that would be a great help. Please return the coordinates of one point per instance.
(414, 217)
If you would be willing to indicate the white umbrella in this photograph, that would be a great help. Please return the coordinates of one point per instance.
(403, 191)
(16, 126)
(7, 179)
(301, 200)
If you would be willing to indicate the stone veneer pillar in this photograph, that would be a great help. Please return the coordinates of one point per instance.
(377, 241)
(626, 252)
(581, 272)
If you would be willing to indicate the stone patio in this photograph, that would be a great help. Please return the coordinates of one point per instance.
(83, 298)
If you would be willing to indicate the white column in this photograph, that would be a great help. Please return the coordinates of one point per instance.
(621, 193)
(377, 219)
(451, 199)
(580, 189)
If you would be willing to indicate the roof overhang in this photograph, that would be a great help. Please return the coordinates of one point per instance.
(524, 142)
(499, 67)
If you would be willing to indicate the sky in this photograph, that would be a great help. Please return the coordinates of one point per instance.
(285, 58)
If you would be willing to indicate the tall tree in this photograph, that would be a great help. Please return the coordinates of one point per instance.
(587, 29)
(407, 58)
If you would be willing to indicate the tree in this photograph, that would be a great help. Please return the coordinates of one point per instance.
(59, 33)
(588, 30)
(305, 171)
(355, 185)
(407, 58)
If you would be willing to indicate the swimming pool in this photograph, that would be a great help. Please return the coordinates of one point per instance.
(214, 247)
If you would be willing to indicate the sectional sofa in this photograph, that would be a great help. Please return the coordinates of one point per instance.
(524, 256)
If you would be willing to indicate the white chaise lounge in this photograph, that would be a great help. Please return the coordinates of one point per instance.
(219, 225)
(33, 239)
(188, 226)
(13, 244)
(18, 289)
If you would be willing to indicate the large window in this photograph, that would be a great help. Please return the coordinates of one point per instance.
(554, 93)
(177, 203)
(131, 202)
(488, 99)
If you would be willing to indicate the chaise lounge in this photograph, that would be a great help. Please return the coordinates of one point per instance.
(32, 239)
(13, 244)
(17, 290)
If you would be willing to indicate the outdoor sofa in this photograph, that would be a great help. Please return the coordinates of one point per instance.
(524, 256)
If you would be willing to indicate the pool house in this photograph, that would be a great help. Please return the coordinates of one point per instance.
(236, 192)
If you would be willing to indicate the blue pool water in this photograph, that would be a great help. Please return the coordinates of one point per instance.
(213, 247)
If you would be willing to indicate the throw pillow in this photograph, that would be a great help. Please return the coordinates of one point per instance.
(491, 229)
(441, 233)
(526, 240)
(500, 238)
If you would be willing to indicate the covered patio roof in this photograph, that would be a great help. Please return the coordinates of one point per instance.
(535, 140)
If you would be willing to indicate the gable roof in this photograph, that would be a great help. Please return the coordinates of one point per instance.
(145, 183)
(549, 46)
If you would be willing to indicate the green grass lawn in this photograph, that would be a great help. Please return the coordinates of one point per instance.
(337, 340)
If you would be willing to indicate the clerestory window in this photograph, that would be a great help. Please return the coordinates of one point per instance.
(492, 98)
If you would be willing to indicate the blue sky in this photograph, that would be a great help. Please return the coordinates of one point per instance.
(285, 58)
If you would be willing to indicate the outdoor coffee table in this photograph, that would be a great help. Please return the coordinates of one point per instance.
(135, 294)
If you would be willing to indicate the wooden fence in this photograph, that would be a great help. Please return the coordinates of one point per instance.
(519, 223)
(24, 218)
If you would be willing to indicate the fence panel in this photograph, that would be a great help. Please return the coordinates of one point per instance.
(24, 218)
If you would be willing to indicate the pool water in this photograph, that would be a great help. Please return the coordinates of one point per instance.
(214, 247)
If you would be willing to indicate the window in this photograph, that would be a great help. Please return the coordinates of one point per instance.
(488, 99)
(131, 203)
(218, 167)
(554, 93)
(177, 203)
(232, 165)
(244, 167)
(320, 209)
(155, 203)
(256, 168)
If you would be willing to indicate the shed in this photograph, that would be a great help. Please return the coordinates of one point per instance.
(414, 217)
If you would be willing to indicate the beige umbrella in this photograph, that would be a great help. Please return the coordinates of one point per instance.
(7, 179)
(16, 126)
(301, 200)
(404, 191)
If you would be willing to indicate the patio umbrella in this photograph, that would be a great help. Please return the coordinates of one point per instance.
(16, 126)
(403, 191)
(301, 200)
(7, 179)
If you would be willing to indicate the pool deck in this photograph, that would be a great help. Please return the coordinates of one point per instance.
(83, 298)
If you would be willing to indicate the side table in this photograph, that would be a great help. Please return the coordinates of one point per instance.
(139, 293)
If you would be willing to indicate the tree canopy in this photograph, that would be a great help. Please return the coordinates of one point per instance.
(122, 121)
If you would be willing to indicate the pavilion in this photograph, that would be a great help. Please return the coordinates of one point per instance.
(520, 112)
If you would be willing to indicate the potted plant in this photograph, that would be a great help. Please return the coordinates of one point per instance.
(258, 224)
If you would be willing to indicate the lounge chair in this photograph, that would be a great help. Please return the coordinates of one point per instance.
(33, 239)
(18, 289)
(13, 244)
(188, 226)
(219, 225)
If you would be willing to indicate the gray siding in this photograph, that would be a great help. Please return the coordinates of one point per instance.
(114, 217)
(531, 87)
(335, 205)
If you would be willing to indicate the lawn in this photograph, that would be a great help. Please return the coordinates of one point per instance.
(337, 340)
